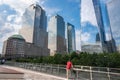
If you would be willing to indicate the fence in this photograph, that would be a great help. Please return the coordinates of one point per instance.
(78, 72)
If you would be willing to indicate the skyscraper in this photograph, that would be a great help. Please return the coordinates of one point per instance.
(113, 8)
(34, 24)
(71, 46)
(89, 28)
(99, 17)
(110, 43)
(56, 38)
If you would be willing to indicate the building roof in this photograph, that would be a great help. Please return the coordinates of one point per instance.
(16, 36)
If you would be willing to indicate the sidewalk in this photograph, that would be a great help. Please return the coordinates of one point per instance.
(34, 75)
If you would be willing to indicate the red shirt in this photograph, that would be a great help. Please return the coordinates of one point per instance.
(69, 65)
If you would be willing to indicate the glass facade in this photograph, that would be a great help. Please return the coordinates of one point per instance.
(99, 17)
(92, 28)
(34, 26)
(71, 46)
(56, 37)
(113, 8)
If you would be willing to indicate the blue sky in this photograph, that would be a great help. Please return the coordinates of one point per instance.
(12, 10)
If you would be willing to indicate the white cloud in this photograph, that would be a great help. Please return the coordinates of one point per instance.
(6, 31)
(87, 12)
(20, 5)
(51, 11)
(4, 11)
(10, 17)
(85, 37)
(78, 42)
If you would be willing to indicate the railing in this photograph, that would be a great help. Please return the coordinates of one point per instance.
(78, 72)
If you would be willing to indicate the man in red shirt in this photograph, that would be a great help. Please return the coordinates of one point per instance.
(68, 67)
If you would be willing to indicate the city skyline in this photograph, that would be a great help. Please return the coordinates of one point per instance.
(12, 14)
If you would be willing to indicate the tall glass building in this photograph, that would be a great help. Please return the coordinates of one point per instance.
(110, 43)
(113, 8)
(71, 46)
(99, 17)
(34, 24)
(90, 33)
(56, 36)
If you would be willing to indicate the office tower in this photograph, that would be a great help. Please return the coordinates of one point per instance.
(56, 38)
(89, 28)
(113, 8)
(99, 17)
(110, 44)
(71, 46)
(34, 24)
(14, 46)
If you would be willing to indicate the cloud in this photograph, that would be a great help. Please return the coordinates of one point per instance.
(10, 17)
(22, 3)
(87, 12)
(88, 33)
(51, 11)
(85, 37)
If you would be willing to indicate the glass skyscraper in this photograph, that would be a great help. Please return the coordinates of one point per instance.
(90, 33)
(99, 17)
(34, 24)
(34, 30)
(56, 36)
(71, 46)
(113, 8)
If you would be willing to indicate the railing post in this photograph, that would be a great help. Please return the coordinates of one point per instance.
(77, 74)
(91, 78)
(108, 73)
(40, 67)
(51, 69)
(58, 68)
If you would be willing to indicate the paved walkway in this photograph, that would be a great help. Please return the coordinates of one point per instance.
(33, 75)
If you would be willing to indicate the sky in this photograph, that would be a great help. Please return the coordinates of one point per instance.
(11, 12)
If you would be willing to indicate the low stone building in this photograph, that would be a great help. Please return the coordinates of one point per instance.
(16, 47)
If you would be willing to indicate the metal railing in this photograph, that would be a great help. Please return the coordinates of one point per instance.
(78, 72)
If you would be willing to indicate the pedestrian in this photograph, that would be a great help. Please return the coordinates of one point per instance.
(69, 65)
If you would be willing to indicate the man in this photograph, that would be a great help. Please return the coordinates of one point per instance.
(68, 67)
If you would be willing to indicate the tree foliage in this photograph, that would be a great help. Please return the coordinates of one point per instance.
(86, 59)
